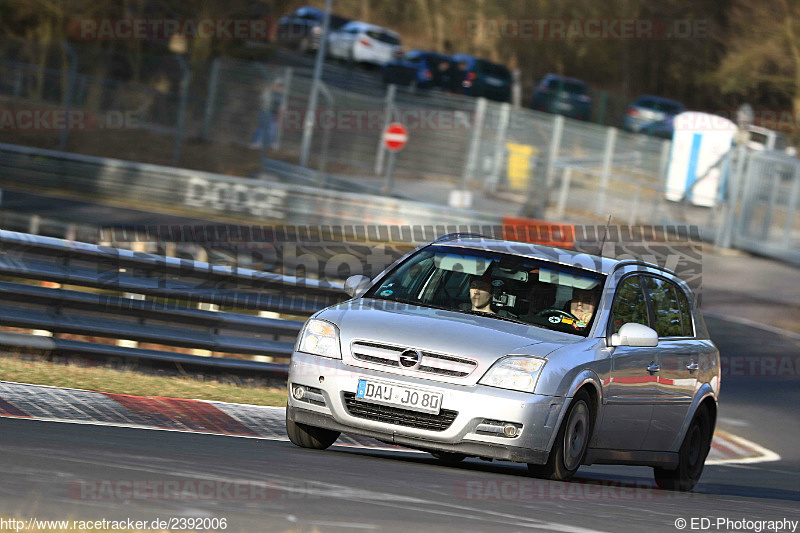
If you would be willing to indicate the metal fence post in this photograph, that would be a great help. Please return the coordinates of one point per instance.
(311, 109)
(791, 207)
(499, 148)
(213, 83)
(474, 143)
(186, 76)
(326, 135)
(563, 192)
(608, 159)
(539, 185)
(71, 73)
(601, 108)
(663, 167)
(287, 87)
(552, 151)
(387, 118)
(724, 237)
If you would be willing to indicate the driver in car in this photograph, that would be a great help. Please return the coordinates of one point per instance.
(480, 295)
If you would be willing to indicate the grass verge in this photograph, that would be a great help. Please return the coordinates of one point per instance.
(128, 382)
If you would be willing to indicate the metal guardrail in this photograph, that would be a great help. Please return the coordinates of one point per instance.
(165, 319)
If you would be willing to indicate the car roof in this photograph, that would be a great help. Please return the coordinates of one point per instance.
(591, 262)
(368, 26)
(658, 99)
(428, 53)
(564, 78)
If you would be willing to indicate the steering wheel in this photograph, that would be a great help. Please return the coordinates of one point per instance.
(553, 312)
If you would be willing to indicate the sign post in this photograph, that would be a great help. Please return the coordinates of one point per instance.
(395, 137)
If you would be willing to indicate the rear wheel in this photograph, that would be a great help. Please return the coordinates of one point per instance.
(571, 442)
(309, 436)
(692, 456)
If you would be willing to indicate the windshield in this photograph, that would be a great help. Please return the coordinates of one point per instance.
(383, 37)
(659, 105)
(497, 285)
(568, 86)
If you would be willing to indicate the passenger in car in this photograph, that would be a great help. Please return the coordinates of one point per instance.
(582, 304)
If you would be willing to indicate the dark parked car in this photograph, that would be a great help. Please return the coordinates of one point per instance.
(563, 96)
(303, 28)
(662, 128)
(484, 78)
(426, 69)
(648, 110)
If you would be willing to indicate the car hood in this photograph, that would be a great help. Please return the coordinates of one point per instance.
(479, 338)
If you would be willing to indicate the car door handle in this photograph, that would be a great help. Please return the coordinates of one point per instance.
(691, 367)
(652, 367)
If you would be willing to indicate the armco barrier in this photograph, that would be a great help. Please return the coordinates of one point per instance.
(166, 319)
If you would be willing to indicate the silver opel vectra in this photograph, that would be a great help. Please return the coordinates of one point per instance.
(513, 351)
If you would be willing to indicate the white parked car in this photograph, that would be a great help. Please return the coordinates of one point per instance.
(517, 352)
(364, 43)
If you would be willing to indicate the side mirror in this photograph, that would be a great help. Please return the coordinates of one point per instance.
(356, 285)
(632, 334)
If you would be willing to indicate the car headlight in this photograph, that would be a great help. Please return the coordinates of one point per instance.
(320, 337)
(515, 373)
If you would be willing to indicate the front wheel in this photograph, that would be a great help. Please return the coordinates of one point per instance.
(691, 457)
(571, 442)
(449, 458)
(309, 436)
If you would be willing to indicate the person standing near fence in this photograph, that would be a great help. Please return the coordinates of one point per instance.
(270, 105)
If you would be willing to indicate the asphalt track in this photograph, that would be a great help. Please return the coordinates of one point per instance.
(346, 489)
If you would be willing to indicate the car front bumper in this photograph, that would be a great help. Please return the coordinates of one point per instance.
(475, 405)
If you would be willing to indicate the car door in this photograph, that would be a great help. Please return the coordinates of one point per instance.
(632, 385)
(679, 356)
(336, 42)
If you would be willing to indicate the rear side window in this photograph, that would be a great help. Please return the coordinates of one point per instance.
(493, 69)
(629, 304)
(666, 309)
(383, 37)
(569, 86)
(686, 315)
(658, 105)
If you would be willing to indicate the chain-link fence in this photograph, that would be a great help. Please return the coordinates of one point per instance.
(539, 164)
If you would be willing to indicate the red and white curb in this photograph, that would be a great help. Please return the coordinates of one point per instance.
(41, 402)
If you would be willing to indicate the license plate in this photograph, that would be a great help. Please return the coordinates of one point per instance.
(564, 106)
(386, 393)
(497, 82)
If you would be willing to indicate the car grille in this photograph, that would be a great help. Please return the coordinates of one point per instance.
(401, 417)
(432, 363)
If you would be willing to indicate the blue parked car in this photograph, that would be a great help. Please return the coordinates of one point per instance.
(563, 96)
(480, 77)
(426, 69)
(648, 110)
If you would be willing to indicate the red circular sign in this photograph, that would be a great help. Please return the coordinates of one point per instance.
(395, 136)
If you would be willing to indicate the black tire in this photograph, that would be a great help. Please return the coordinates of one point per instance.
(571, 442)
(449, 458)
(310, 436)
(692, 456)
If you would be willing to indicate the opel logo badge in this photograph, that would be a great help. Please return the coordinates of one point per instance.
(411, 359)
